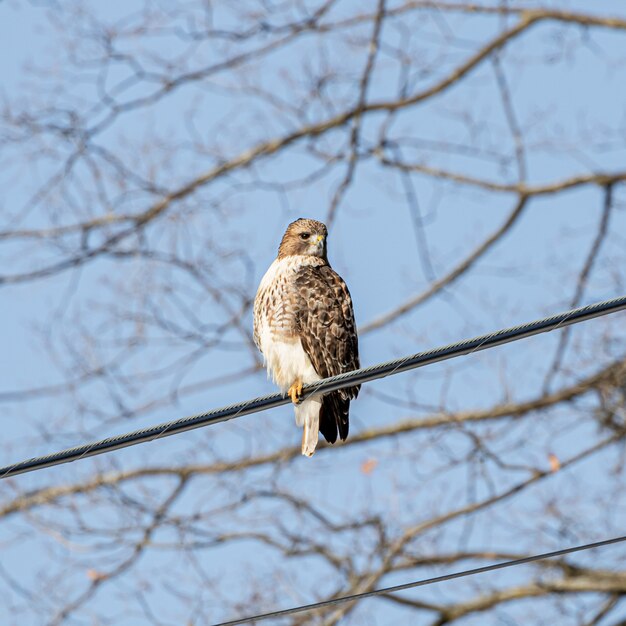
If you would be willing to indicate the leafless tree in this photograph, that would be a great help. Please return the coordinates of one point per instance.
(468, 159)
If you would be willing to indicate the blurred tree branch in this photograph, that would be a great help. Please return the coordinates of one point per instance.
(147, 156)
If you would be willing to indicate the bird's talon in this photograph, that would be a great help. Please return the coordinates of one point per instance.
(295, 392)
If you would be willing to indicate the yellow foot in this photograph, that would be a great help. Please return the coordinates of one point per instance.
(295, 391)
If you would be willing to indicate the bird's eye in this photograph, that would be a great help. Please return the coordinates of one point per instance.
(305, 236)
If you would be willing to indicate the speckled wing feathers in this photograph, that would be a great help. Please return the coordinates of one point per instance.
(326, 326)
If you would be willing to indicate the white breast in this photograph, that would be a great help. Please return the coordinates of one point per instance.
(287, 361)
(284, 355)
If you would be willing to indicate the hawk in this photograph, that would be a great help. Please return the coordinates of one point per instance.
(304, 326)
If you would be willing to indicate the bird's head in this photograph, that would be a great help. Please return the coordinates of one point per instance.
(304, 237)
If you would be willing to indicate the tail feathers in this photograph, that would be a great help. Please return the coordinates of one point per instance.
(308, 416)
(328, 415)
(310, 434)
(334, 416)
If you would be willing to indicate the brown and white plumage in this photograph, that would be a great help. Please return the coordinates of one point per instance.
(304, 326)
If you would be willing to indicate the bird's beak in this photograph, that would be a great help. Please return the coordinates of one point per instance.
(320, 240)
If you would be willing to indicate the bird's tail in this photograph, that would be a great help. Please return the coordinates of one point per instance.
(335, 415)
(308, 416)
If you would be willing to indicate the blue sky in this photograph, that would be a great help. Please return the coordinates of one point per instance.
(572, 92)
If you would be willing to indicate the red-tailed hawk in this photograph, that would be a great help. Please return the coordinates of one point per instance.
(304, 326)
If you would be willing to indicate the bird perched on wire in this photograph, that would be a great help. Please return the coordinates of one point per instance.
(304, 326)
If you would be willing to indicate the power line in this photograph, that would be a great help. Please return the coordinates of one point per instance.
(364, 375)
(423, 582)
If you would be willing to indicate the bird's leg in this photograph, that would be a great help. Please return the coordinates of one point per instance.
(295, 391)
